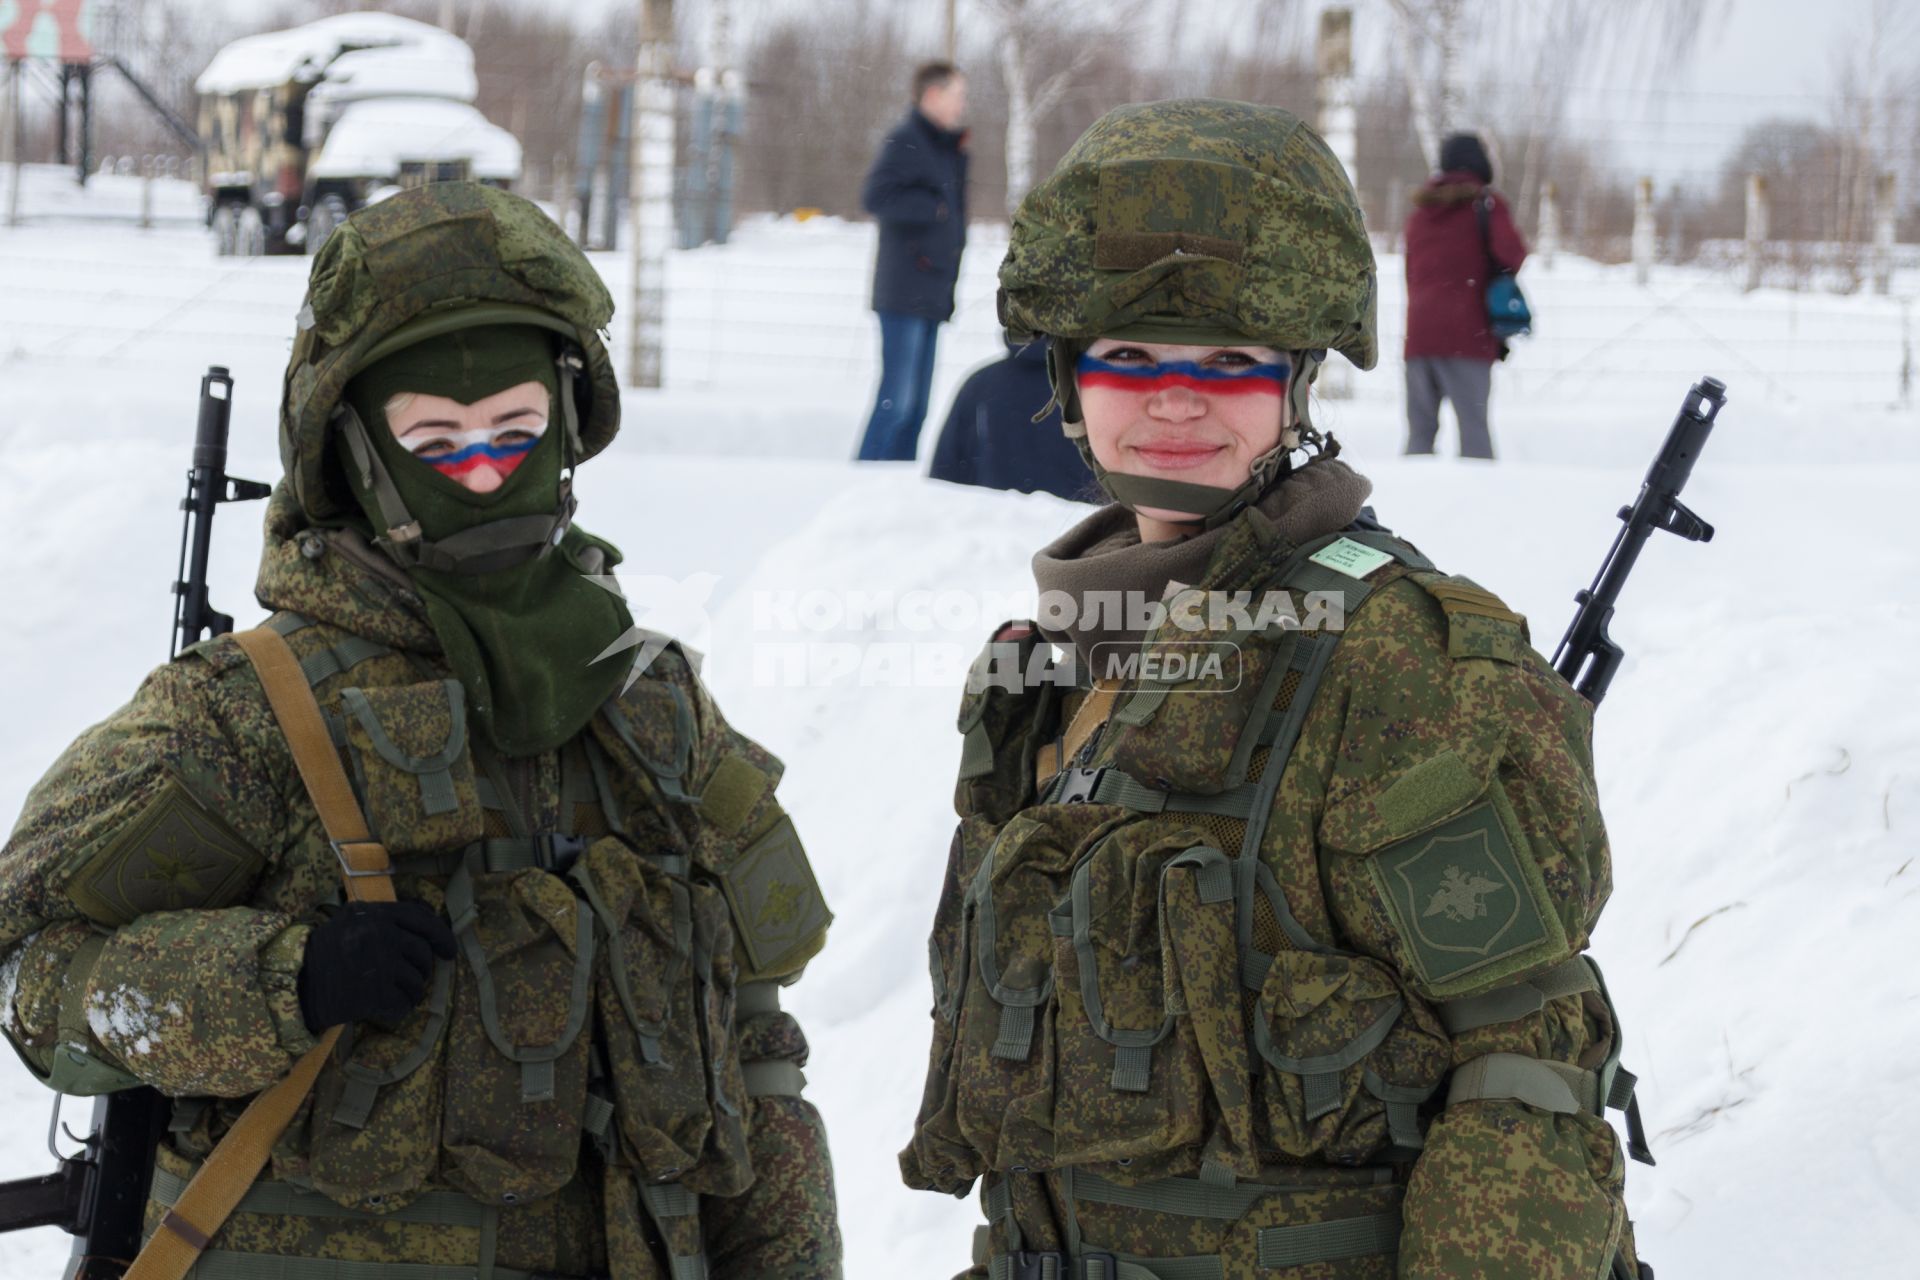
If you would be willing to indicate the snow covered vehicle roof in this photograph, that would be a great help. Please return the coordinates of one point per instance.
(435, 60)
(374, 137)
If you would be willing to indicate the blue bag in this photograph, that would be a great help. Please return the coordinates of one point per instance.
(1508, 314)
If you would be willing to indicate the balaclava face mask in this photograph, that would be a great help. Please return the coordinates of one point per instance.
(523, 639)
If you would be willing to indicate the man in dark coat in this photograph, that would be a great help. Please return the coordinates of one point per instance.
(917, 191)
(991, 438)
(1450, 346)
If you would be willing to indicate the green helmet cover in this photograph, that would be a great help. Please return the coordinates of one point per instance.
(1195, 217)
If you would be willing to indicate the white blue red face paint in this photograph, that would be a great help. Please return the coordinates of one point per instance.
(1143, 377)
(457, 454)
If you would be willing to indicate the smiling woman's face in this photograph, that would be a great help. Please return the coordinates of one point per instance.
(477, 445)
(1197, 414)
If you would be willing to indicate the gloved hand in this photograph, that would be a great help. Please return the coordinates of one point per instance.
(371, 961)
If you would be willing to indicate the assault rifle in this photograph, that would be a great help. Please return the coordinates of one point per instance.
(1587, 657)
(99, 1193)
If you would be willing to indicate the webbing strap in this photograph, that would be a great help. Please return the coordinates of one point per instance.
(753, 999)
(227, 1264)
(773, 1078)
(324, 664)
(284, 1200)
(1330, 1241)
(1187, 1197)
(1551, 1086)
(665, 1200)
(1115, 787)
(1572, 976)
(1014, 1039)
(1103, 1266)
(223, 1180)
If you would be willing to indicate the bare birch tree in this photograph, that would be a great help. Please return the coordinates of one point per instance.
(1032, 93)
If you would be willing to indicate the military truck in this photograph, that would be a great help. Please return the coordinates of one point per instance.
(306, 125)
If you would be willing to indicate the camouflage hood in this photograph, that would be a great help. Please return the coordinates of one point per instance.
(428, 260)
(1197, 216)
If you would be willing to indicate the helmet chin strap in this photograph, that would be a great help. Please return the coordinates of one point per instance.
(1211, 506)
(485, 548)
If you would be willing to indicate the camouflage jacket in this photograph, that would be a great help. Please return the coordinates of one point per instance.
(1167, 976)
(156, 895)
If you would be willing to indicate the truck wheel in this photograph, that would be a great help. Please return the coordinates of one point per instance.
(251, 241)
(226, 224)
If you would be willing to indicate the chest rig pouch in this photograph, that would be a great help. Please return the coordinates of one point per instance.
(1122, 982)
(593, 989)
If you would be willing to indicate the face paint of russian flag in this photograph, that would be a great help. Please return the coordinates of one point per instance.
(1257, 380)
(482, 447)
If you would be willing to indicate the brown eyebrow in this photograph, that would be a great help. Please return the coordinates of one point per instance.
(439, 423)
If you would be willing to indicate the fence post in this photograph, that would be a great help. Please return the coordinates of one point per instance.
(1757, 219)
(146, 193)
(1549, 222)
(1334, 83)
(650, 198)
(1883, 211)
(1643, 231)
(10, 138)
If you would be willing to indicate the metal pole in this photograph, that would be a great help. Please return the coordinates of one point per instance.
(1549, 222)
(1643, 241)
(10, 139)
(953, 37)
(146, 192)
(1757, 219)
(650, 194)
(1883, 190)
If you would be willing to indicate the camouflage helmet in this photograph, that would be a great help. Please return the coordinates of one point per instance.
(429, 261)
(1198, 217)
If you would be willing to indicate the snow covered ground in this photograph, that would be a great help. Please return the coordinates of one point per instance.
(1758, 756)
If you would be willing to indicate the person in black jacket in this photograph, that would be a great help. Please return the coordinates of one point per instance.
(992, 440)
(917, 191)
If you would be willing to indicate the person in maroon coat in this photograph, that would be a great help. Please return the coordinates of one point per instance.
(1450, 347)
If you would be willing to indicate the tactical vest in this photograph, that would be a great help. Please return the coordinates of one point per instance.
(1126, 1001)
(594, 996)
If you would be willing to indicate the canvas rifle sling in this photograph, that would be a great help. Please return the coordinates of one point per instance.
(230, 1171)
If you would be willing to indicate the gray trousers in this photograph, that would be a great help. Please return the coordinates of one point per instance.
(1431, 379)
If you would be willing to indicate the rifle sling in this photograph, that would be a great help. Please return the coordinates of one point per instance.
(230, 1171)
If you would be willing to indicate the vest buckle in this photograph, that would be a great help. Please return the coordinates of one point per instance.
(1077, 785)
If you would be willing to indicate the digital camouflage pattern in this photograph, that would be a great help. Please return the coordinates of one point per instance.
(197, 997)
(1167, 220)
(1125, 996)
(416, 258)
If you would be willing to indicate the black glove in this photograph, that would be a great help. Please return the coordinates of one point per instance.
(370, 962)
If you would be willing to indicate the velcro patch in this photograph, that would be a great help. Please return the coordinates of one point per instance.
(777, 905)
(175, 854)
(1466, 903)
(730, 794)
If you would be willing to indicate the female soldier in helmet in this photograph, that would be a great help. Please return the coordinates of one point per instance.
(563, 1053)
(1259, 951)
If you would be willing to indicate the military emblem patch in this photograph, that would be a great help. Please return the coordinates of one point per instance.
(1462, 899)
(175, 854)
(776, 902)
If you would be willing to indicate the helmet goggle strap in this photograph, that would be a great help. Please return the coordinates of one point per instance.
(485, 548)
(1212, 506)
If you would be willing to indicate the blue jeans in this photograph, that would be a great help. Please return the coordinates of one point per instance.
(906, 376)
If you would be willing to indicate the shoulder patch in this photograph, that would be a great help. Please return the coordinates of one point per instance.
(731, 792)
(776, 902)
(175, 854)
(1479, 624)
(1466, 902)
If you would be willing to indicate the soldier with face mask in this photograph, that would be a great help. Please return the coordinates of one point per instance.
(563, 1052)
(1259, 952)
